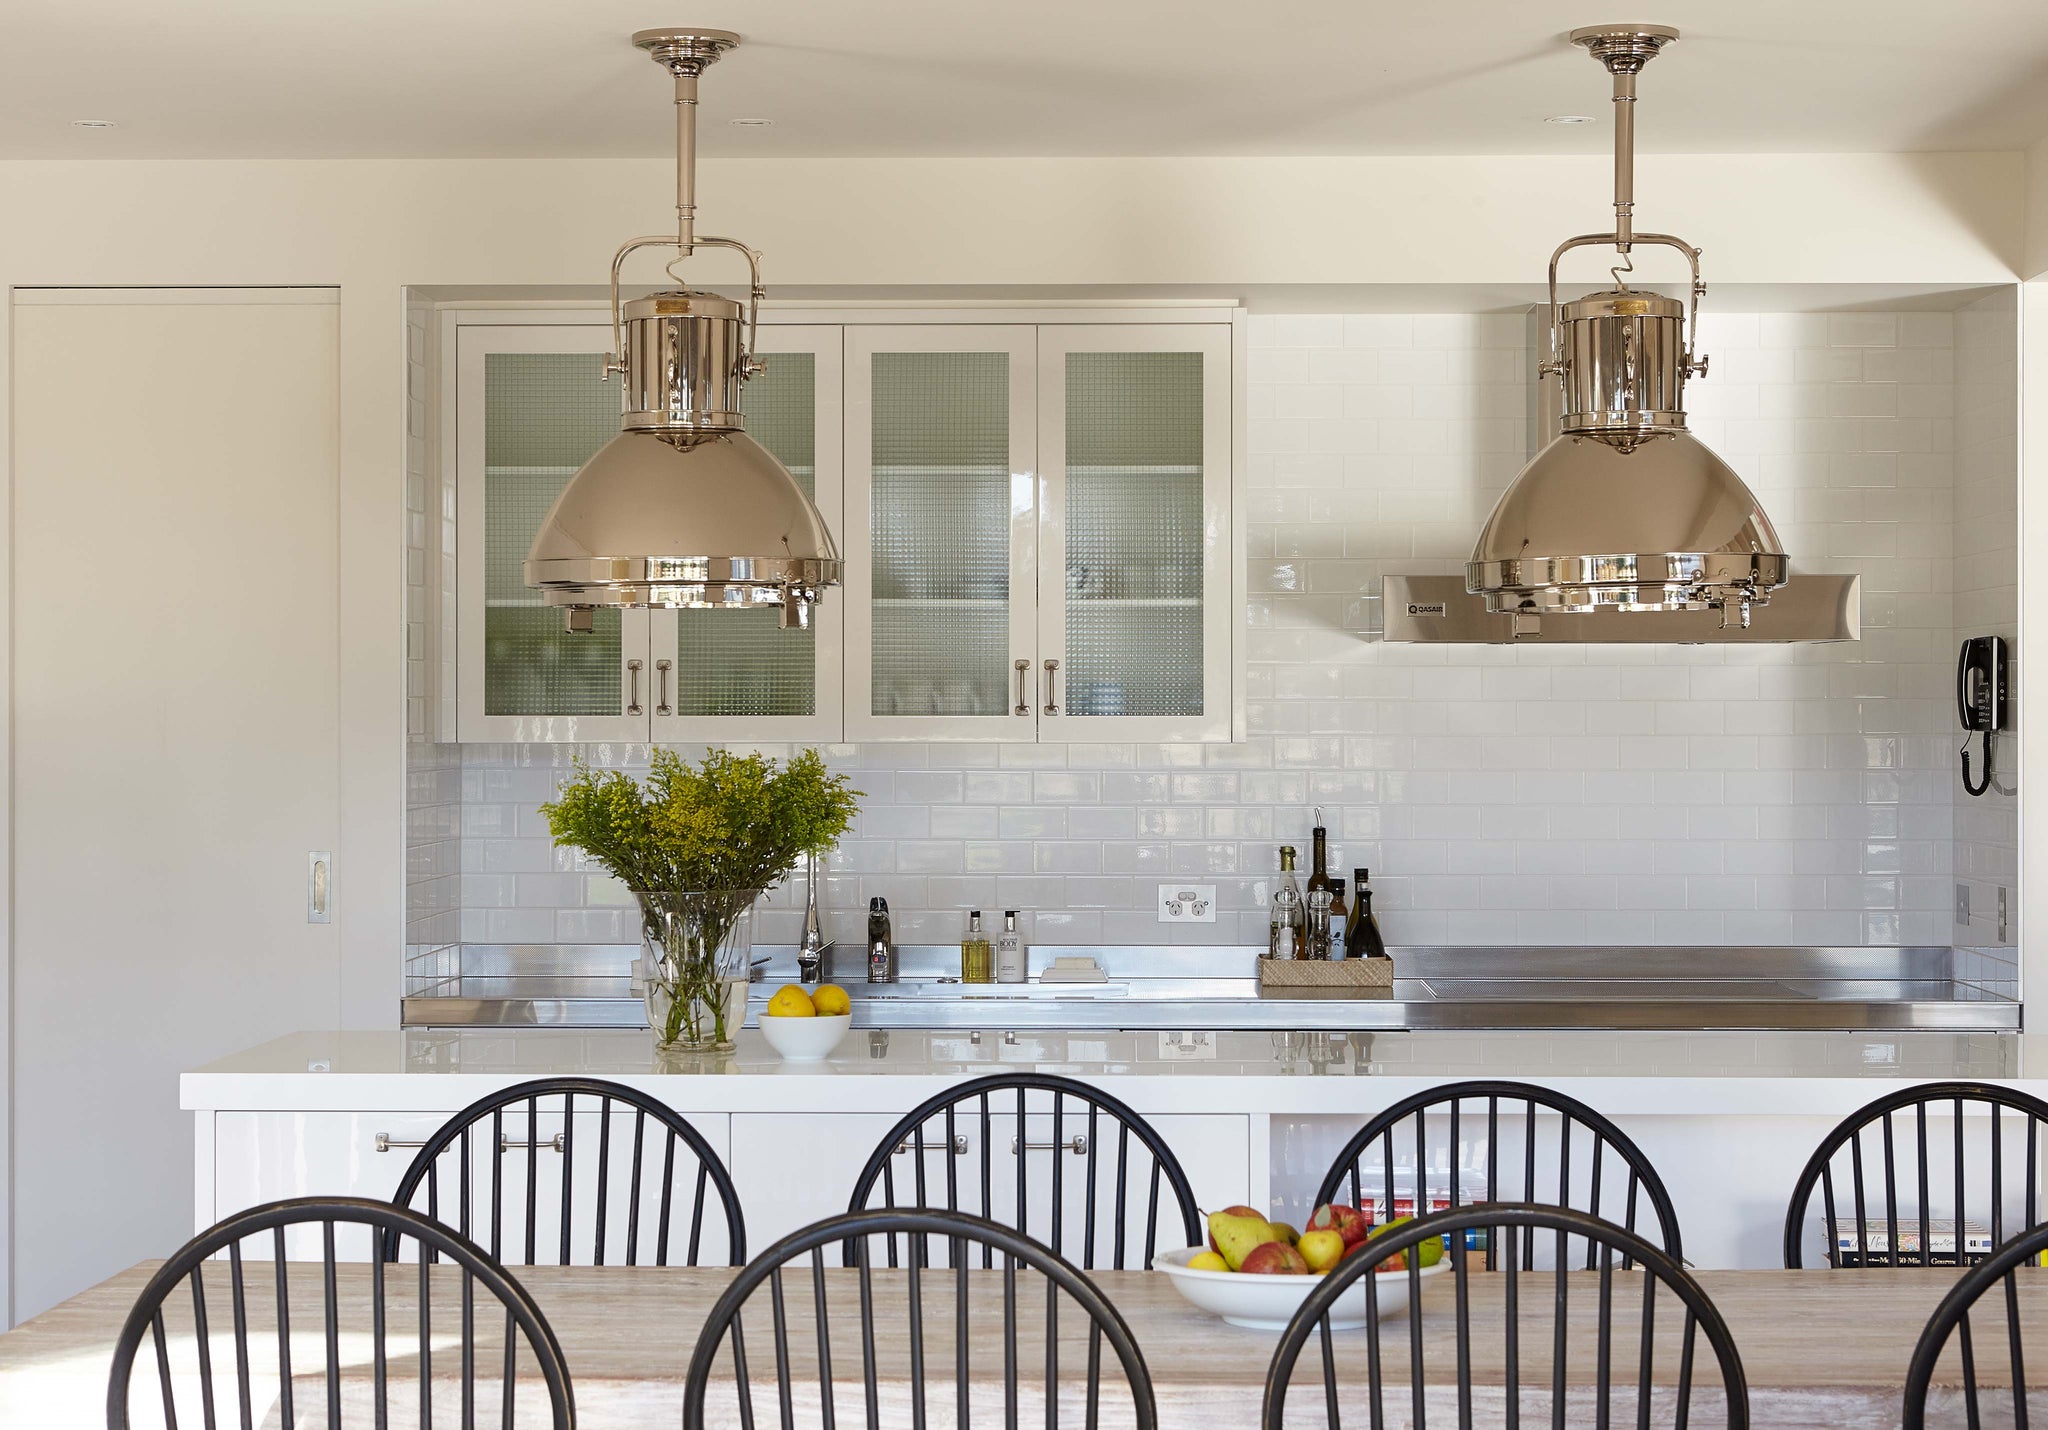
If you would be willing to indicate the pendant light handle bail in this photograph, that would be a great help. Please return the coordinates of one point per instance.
(750, 365)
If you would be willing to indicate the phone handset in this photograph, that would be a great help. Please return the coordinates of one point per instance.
(1980, 699)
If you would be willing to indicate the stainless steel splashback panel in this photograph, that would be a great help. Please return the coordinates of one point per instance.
(1438, 610)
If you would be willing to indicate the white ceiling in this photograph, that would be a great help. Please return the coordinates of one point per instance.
(556, 78)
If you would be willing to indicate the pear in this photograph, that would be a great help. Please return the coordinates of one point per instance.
(1237, 1235)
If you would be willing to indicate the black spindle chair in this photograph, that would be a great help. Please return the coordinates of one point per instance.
(920, 1333)
(1503, 1305)
(260, 1307)
(1616, 1174)
(647, 1168)
(1952, 1317)
(955, 1162)
(1973, 1181)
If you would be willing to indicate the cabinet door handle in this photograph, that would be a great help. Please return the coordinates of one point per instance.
(1077, 1144)
(1052, 689)
(1023, 705)
(385, 1142)
(633, 687)
(959, 1146)
(661, 670)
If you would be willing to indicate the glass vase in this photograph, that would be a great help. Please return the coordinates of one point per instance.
(696, 947)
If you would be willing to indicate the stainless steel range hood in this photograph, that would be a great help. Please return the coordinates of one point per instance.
(1438, 610)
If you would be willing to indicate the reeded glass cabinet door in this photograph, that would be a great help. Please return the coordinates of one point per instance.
(737, 676)
(1135, 610)
(530, 408)
(940, 532)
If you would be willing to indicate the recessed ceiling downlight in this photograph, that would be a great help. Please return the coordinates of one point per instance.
(750, 122)
(92, 124)
(1568, 119)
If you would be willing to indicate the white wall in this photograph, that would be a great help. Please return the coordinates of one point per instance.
(175, 738)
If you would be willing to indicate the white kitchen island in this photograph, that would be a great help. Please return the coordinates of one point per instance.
(1728, 1118)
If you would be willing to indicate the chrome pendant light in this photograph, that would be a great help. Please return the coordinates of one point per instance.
(1625, 509)
(683, 508)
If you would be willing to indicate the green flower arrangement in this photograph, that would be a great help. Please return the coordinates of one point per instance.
(696, 845)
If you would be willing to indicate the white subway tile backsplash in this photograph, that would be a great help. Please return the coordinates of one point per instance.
(1562, 795)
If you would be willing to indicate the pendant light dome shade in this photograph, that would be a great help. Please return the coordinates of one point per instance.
(1658, 524)
(681, 519)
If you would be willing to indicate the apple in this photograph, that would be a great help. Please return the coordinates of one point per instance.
(1347, 1221)
(1274, 1258)
(1321, 1249)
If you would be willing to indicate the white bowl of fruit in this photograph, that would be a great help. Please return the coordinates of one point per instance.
(806, 1027)
(1256, 1273)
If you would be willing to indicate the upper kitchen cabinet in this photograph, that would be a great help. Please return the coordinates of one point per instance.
(528, 409)
(1040, 531)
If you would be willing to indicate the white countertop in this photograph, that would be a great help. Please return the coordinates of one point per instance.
(1639, 1073)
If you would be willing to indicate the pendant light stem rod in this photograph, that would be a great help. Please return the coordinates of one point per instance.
(686, 161)
(1624, 159)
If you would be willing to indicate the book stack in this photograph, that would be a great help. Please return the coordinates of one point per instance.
(1874, 1247)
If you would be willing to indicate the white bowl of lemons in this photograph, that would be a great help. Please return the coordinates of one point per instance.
(804, 1027)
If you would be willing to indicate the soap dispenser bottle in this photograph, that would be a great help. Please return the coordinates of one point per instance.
(977, 959)
(1010, 964)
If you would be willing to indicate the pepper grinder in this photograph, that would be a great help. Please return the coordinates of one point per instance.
(881, 943)
(812, 948)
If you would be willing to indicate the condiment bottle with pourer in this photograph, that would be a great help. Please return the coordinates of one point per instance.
(1319, 868)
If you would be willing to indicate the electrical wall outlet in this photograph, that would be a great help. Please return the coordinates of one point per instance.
(1187, 903)
(1187, 1045)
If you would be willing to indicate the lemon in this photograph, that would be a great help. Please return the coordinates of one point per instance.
(830, 1000)
(1207, 1261)
(791, 1001)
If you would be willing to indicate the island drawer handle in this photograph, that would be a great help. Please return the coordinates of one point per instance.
(385, 1142)
(1078, 1146)
(959, 1146)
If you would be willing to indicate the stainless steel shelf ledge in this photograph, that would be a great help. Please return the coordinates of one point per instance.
(1182, 988)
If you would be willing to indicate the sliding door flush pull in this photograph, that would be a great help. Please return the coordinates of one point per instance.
(319, 887)
(1078, 1145)
(385, 1142)
(959, 1146)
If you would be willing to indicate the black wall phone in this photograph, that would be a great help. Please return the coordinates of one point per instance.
(1980, 699)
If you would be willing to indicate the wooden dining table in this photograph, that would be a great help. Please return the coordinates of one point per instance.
(1818, 1348)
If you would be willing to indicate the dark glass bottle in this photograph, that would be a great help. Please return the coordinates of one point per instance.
(1319, 869)
(1362, 933)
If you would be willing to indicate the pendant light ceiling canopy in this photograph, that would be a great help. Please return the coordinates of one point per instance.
(1625, 509)
(683, 508)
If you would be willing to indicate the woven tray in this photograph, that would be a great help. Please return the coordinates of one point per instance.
(1362, 977)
